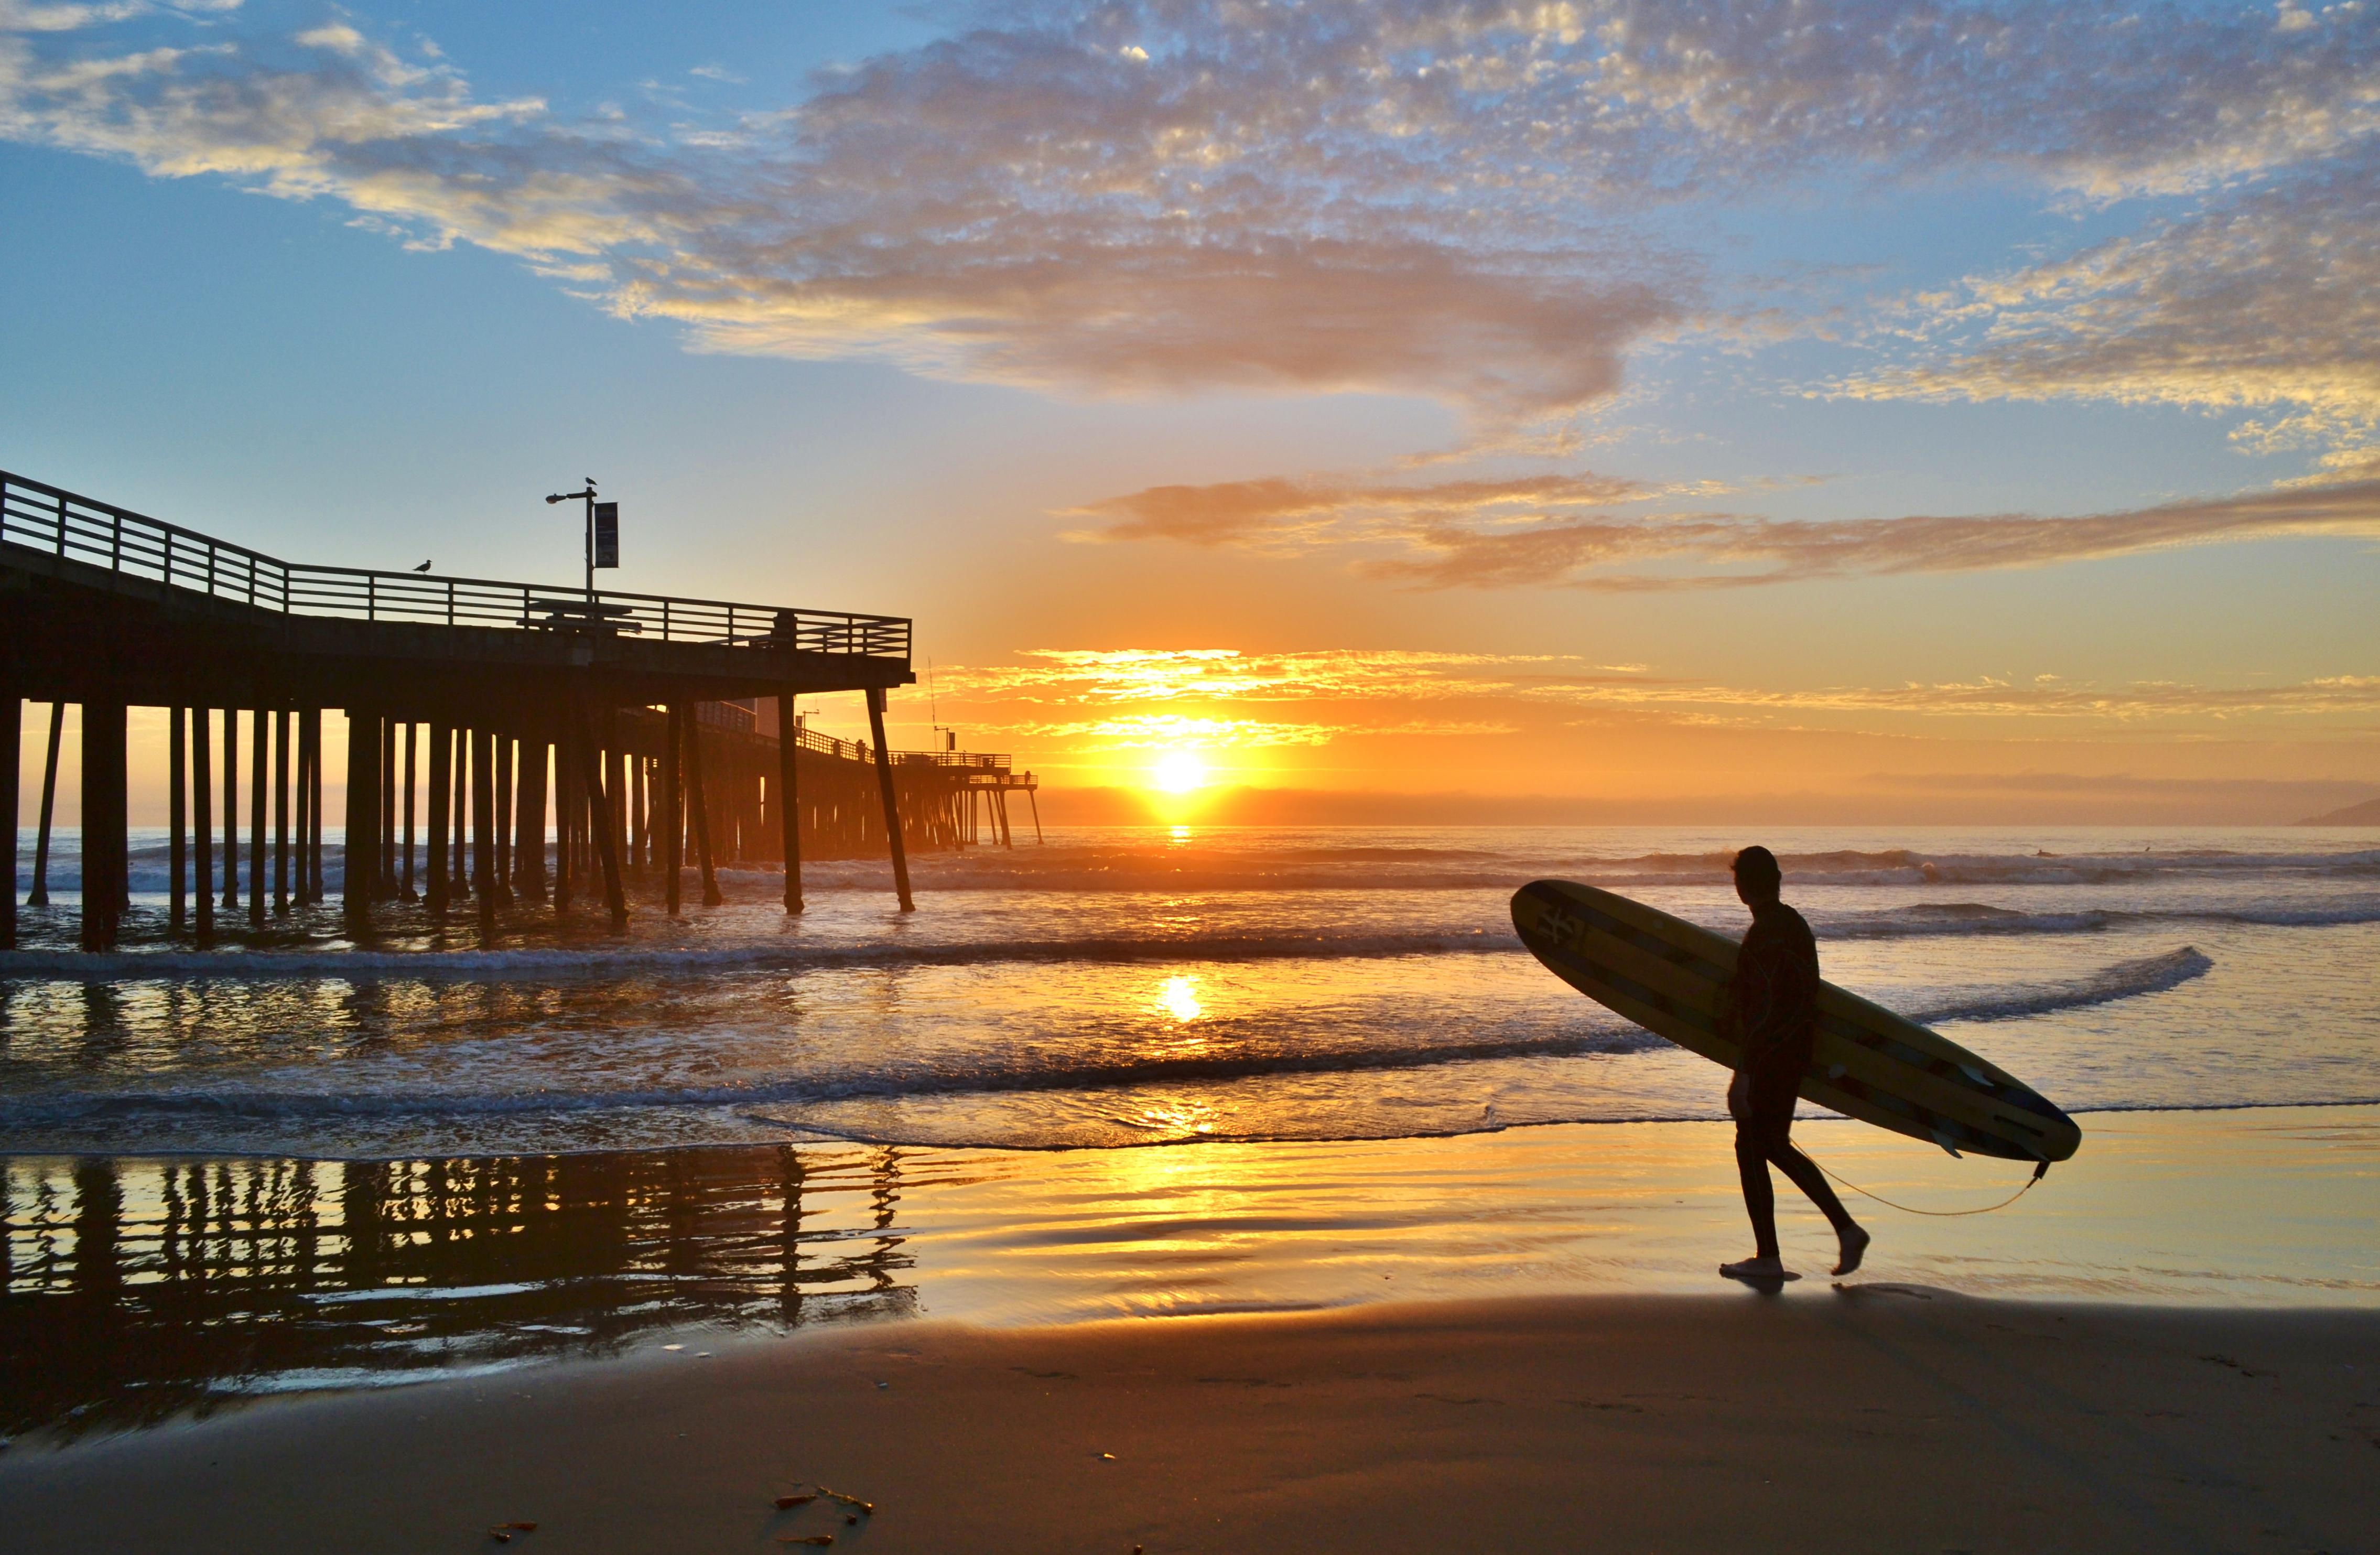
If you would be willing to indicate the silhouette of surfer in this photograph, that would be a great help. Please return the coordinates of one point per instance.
(1770, 1008)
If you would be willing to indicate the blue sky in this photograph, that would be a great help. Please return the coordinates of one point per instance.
(1741, 361)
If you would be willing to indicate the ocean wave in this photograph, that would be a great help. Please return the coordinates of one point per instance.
(1027, 1070)
(2124, 980)
(1958, 918)
(610, 960)
(1068, 867)
(1022, 1072)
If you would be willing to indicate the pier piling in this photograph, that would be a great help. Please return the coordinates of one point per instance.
(105, 842)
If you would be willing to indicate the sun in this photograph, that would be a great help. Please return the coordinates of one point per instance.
(1178, 771)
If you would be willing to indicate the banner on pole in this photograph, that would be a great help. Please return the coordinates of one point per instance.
(607, 534)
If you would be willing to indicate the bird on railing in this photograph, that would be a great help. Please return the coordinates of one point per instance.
(424, 566)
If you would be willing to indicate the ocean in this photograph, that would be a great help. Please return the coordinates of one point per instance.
(1155, 987)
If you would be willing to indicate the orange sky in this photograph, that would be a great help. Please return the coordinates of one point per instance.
(1608, 409)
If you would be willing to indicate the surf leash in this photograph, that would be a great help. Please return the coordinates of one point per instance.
(1942, 1214)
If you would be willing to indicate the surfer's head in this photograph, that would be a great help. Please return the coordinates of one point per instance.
(1758, 877)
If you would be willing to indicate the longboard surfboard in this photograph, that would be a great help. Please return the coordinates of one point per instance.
(1667, 975)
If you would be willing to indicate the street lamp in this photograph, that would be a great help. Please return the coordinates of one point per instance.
(602, 536)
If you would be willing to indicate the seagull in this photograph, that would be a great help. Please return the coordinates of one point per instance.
(424, 566)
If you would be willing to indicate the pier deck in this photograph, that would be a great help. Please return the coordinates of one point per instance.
(502, 683)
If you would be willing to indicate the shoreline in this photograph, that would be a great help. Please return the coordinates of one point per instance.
(138, 1290)
(817, 1137)
(1878, 1415)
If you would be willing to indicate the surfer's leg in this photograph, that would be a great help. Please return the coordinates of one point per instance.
(1804, 1174)
(1760, 1198)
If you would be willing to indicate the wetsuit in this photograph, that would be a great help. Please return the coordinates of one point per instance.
(1772, 1011)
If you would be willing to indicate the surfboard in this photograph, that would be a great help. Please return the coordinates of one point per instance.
(1666, 975)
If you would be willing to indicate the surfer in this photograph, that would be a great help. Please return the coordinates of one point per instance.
(1771, 1009)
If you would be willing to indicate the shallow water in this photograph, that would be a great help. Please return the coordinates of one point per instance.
(139, 1289)
(1130, 988)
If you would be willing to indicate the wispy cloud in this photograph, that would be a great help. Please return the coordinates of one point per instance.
(1081, 700)
(1431, 199)
(1528, 533)
(2268, 297)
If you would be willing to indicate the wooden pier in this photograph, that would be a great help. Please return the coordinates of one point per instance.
(504, 741)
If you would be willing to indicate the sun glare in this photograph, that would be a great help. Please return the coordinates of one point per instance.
(1178, 771)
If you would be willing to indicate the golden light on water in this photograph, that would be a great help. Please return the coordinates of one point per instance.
(1178, 997)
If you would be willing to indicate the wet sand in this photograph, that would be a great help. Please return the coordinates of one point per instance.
(1877, 1417)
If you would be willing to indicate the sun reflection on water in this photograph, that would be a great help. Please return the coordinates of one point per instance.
(1178, 997)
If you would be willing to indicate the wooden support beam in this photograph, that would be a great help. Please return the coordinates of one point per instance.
(607, 839)
(231, 809)
(503, 837)
(301, 889)
(698, 804)
(528, 823)
(314, 744)
(440, 809)
(565, 749)
(483, 824)
(281, 754)
(388, 875)
(789, 805)
(40, 895)
(178, 807)
(362, 849)
(672, 806)
(412, 768)
(891, 804)
(641, 817)
(1035, 804)
(260, 775)
(12, 734)
(105, 847)
(202, 819)
(459, 874)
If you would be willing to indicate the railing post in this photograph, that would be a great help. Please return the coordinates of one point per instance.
(371, 596)
(62, 523)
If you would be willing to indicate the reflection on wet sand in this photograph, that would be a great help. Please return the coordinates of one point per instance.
(131, 1290)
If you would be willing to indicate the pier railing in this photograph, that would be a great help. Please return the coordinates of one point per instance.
(42, 518)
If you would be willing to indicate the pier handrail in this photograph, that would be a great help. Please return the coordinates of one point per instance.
(42, 518)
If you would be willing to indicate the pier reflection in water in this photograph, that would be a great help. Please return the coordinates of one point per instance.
(132, 1290)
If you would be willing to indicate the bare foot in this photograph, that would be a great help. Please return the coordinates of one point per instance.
(1757, 1269)
(1854, 1248)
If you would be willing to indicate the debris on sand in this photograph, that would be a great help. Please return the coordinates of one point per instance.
(786, 1503)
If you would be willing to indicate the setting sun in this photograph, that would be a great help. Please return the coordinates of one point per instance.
(1178, 771)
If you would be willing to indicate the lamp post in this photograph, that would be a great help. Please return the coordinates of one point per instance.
(603, 537)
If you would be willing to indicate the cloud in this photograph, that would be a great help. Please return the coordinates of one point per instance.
(2267, 298)
(1506, 534)
(1444, 200)
(1067, 702)
(1106, 677)
(1278, 512)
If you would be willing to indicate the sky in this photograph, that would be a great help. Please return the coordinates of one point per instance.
(1821, 411)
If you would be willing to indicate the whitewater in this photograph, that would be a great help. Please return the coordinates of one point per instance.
(1155, 986)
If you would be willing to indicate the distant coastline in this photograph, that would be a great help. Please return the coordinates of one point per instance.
(2365, 814)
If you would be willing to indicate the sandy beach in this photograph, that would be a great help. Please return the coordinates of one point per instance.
(1879, 1416)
